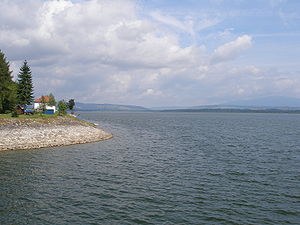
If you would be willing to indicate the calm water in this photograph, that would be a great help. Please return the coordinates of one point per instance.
(161, 168)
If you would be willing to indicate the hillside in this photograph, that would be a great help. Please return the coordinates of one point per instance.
(107, 107)
(271, 101)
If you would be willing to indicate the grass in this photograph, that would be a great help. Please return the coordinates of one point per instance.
(81, 121)
(34, 116)
(45, 118)
(5, 116)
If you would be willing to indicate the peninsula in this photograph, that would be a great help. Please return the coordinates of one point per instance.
(34, 133)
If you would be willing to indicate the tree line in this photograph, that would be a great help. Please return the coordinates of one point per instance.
(11, 92)
(20, 92)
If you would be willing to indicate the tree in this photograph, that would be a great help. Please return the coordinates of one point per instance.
(42, 104)
(25, 86)
(71, 104)
(52, 101)
(7, 86)
(62, 107)
(14, 113)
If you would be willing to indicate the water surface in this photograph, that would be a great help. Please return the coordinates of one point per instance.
(161, 168)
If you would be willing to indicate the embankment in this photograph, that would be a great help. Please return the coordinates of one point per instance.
(29, 133)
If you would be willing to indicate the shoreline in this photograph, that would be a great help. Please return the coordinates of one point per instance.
(31, 133)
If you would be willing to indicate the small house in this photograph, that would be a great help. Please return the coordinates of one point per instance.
(44, 102)
(29, 109)
(20, 109)
(24, 109)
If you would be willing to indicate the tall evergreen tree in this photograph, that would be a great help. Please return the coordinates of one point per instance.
(7, 86)
(25, 86)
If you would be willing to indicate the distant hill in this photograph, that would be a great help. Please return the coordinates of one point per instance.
(272, 101)
(261, 104)
(273, 104)
(168, 108)
(107, 107)
(238, 110)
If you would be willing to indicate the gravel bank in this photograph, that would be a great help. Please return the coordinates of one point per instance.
(18, 134)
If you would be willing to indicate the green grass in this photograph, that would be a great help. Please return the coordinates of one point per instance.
(5, 116)
(42, 118)
(79, 120)
(34, 116)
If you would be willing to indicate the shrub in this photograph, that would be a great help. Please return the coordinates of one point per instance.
(14, 113)
(62, 107)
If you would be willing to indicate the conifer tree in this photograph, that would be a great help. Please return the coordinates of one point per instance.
(25, 86)
(7, 86)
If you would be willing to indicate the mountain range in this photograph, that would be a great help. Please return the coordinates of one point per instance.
(107, 107)
(272, 102)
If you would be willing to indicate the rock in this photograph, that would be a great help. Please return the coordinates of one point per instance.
(37, 133)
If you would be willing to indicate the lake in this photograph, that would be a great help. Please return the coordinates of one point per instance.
(161, 168)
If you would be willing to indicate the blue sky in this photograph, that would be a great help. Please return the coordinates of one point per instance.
(156, 52)
(274, 25)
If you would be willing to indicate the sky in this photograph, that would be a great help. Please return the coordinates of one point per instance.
(155, 52)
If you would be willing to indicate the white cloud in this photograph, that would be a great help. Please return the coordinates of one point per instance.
(232, 49)
(103, 51)
(187, 25)
(284, 83)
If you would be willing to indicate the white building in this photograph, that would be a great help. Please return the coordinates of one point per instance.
(44, 100)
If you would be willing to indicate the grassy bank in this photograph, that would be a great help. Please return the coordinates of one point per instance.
(42, 118)
(34, 116)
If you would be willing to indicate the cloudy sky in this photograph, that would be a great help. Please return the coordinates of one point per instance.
(155, 52)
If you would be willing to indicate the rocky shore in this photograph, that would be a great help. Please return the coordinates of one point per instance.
(17, 134)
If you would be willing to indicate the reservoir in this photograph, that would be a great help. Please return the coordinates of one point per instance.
(161, 168)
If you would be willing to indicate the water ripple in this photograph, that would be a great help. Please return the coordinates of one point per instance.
(161, 168)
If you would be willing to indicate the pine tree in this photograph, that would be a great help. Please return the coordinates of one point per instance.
(25, 86)
(7, 86)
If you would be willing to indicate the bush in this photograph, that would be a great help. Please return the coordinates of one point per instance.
(14, 113)
(62, 107)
